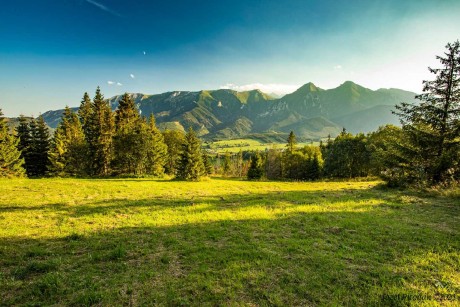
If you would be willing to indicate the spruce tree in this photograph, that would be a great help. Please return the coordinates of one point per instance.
(291, 142)
(130, 139)
(433, 126)
(40, 146)
(255, 170)
(207, 163)
(226, 165)
(85, 111)
(173, 140)
(99, 135)
(23, 133)
(191, 165)
(157, 150)
(67, 153)
(10, 157)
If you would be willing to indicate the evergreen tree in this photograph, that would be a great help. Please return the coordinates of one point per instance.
(68, 148)
(130, 139)
(23, 133)
(191, 165)
(273, 166)
(226, 165)
(291, 142)
(10, 157)
(99, 134)
(36, 153)
(174, 140)
(84, 112)
(255, 170)
(157, 150)
(207, 163)
(432, 126)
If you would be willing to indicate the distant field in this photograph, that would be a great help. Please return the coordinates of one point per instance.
(236, 145)
(226, 242)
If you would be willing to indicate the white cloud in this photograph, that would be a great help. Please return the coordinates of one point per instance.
(145, 52)
(132, 76)
(103, 7)
(110, 82)
(119, 84)
(271, 88)
(337, 67)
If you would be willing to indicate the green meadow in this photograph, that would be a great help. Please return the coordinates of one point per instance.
(142, 242)
(234, 146)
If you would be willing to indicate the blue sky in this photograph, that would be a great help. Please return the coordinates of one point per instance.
(52, 51)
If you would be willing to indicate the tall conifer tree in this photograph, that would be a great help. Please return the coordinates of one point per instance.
(10, 157)
(191, 165)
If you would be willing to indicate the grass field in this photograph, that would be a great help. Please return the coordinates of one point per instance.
(234, 146)
(226, 242)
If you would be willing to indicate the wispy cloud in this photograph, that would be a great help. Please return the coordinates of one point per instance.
(132, 76)
(119, 84)
(271, 88)
(110, 82)
(103, 7)
(337, 67)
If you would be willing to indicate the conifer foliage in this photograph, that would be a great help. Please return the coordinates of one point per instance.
(432, 127)
(68, 148)
(191, 165)
(255, 170)
(10, 157)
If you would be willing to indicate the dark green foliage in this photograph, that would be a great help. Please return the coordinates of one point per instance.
(10, 157)
(226, 164)
(157, 149)
(174, 140)
(98, 134)
(191, 165)
(34, 143)
(273, 164)
(207, 163)
(255, 171)
(126, 114)
(68, 149)
(347, 156)
(130, 139)
(432, 127)
(291, 142)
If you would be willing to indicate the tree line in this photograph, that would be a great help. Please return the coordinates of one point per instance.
(96, 141)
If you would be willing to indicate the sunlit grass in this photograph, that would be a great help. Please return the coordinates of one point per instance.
(226, 242)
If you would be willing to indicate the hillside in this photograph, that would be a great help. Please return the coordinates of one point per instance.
(310, 111)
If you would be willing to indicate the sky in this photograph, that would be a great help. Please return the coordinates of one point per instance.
(52, 51)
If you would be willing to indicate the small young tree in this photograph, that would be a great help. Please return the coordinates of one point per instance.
(191, 165)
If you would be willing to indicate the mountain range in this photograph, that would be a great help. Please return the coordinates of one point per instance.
(311, 112)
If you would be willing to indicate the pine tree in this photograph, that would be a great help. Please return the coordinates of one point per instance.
(130, 139)
(99, 133)
(191, 165)
(291, 142)
(433, 125)
(174, 140)
(85, 111)
(10, 157)
(226, 165)
(207, 163)
(40, 146)
(157, 150)
(23, 133)
(67, 153)
(255, 170)
(126, 113)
